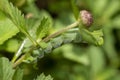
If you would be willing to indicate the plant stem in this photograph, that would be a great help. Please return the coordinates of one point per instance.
(61, 31)
(32, 40)
(19, 61)
(18, 53)
(75, 24)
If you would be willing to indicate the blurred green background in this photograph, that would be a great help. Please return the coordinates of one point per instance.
(75, 61)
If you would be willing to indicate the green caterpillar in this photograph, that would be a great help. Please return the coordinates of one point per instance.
(72, 35)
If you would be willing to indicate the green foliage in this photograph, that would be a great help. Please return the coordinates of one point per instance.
(14, 14)
(6, 71)
(43, 28)
(18, 3)
(94, 37)
(18, 75)
(12, 45)
(78, 60)
(75, 8)
(7, 28)
(43, 77)
(16, 17)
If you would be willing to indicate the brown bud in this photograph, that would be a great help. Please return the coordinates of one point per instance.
(86, 18)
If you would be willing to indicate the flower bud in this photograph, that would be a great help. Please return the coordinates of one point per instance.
(86, 18)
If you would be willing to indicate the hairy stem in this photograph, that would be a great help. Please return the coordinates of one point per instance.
(19, 61)
(61, 31)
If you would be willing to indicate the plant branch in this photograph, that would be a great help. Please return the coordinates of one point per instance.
(61, 31)
(32, 40)
(19, 61)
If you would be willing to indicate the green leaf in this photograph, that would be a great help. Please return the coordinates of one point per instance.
(96, 56)
(94, 37)
(43, 28)
(12, 45)
(75, 8)
(6, 69)
(18, 74)
(98, 36)
(116, 22)
(81, 57)
(14, 14)
(18, 3)
(99, 6)
(116, 77)
(110, 48)
(111, 9)
(43, 44)
(43, 77)
(16, 17)
(107, 74)
(7, 28)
